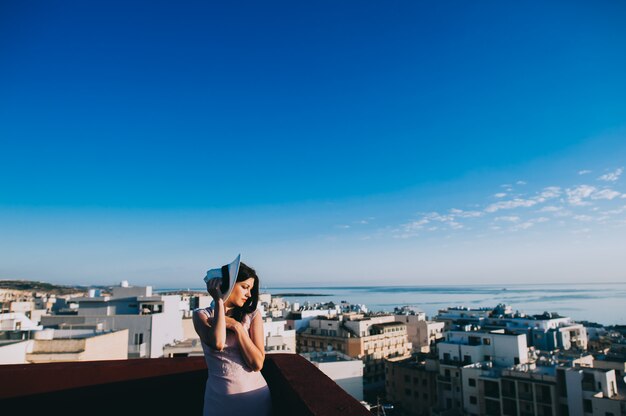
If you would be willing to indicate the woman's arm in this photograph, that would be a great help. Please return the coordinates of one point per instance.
(211, 330)
(251, 344)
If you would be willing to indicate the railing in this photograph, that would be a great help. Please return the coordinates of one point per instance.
(161, 386)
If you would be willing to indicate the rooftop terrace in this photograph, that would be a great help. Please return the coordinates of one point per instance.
(161, 386)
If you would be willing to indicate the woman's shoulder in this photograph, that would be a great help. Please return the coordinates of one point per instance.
(251, 315)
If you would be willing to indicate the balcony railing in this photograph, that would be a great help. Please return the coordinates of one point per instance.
(161, 386)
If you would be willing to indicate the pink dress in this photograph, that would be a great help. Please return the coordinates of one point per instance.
(232, 388)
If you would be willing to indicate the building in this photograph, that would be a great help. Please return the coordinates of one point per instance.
(52, 345)
(465, 355)
(152, 321)
(411, 384)
(370, 339)
(347, 372)
(590, 391)
(277, 337)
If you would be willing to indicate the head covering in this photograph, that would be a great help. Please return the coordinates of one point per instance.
(228, 274)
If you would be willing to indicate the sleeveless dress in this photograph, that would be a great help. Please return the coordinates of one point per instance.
(232, 388)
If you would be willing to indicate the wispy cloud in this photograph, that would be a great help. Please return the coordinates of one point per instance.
(514, 203)
(510, 218)
(612, 176)
(513, 211)
(605, 194)
(578, 194)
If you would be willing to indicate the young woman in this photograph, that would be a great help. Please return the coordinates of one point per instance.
(231, 331)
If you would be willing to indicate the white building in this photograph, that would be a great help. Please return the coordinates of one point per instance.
(153, 321)
(277, 337)
(345, 371)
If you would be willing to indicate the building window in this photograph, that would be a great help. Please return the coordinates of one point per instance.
(487, 341)
(473, 400)
(407, 379)
(472, 382)
(487, 357)
(139, 339)
(587, 406)
(407, 392)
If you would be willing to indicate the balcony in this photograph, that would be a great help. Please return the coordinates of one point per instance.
(161, 386)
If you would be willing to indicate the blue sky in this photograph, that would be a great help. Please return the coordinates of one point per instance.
(351, 143)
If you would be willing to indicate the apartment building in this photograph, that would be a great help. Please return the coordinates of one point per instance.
(411, 384)
(152, 321)
(370, 339)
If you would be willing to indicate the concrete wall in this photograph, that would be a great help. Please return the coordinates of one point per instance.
(15, 353)
(166, 326)
(347, 374)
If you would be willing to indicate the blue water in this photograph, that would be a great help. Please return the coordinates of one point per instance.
(604, 303)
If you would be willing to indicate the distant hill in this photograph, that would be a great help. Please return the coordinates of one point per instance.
(32, 286)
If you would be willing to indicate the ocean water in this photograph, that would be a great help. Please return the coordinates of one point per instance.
(604, 303)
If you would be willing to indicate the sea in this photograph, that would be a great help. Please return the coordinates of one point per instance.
(603, 303)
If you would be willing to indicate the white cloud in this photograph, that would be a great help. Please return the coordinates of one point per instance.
(585, 218)
(577, 195)
(415, 225)
(514, 203)
(584, 172)
(343, 226)
(511, 218)
(520, 183)
(612, 176)
(550, 208)
(465, 214)
(500, 195)
(550, 192)
(605, 194)
(522, 226)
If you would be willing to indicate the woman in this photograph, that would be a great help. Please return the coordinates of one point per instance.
(231, 331)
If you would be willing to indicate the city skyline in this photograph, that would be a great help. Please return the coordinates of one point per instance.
(329, 144)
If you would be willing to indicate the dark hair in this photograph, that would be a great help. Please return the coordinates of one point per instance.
(246, 272)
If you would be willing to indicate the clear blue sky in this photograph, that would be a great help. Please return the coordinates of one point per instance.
(328, 142)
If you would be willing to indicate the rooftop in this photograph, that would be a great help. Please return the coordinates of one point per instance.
(162, 386)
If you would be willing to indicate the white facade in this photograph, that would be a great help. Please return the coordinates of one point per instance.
(152, 321)
(277, 337)
(14, 352)
(345, 371)
(17, 321)
(502, 349)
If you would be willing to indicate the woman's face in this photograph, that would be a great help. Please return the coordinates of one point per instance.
(241, 292)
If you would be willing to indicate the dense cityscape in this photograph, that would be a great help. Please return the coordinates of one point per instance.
(463, 361)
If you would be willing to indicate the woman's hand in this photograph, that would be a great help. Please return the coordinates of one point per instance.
(232, 324)
(213, 287)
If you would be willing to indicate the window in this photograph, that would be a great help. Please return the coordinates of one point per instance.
(472, 382)
(447, 373)
(407, 379)
(487, 357)
(139, 339)
(407, 392)
(473, 400)
(487, 341)
(587, 406)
